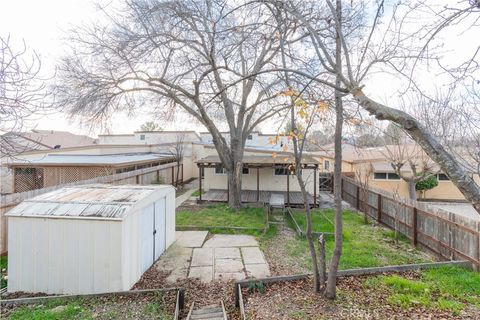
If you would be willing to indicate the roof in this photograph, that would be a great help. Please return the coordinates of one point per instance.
(387, 167)
(91, 159)
(261, 160)
(52, 138)
(99, 201)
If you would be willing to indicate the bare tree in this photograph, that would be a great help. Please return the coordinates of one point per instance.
(201, 57)
(177, 150)
(150, 126)
(22, 94)
(386, 45)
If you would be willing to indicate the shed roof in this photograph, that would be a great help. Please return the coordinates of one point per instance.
(92, 159)
(100, 201)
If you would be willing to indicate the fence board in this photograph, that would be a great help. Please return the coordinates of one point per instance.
(449, 235)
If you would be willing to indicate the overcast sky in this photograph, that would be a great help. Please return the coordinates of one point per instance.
(43, 24)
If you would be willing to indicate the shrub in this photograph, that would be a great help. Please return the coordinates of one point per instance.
(426, 184)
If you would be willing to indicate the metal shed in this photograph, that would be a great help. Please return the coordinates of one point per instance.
(88, 239)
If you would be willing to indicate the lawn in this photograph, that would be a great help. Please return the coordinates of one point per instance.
(3, 271)
(364, 245)
(445, 288)
(145, 306)
(221, 216)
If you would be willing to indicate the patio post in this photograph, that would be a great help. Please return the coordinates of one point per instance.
(288, 188)
(200, 182)
(314, 186)
(258, 186)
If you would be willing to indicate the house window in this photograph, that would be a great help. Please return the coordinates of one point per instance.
(245, 170)
(380, 176)
(249, 137)
(442, 177)
(219, 169)
(385, 176)
(393, 176)
(142, 137)
(281, 171)
(326, 164)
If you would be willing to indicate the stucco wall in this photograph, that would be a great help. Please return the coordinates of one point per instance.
(268, 180)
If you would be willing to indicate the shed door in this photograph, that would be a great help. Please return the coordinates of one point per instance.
(147, 237)
(160, 227)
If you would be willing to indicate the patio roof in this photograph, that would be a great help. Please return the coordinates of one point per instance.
(260, 160)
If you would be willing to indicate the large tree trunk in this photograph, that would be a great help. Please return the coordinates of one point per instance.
(235, 186)
(452, 168)
(331, 287)
(412, 192)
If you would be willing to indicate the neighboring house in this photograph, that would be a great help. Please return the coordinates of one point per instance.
(372, 166)
(14, 143)
(258, 140)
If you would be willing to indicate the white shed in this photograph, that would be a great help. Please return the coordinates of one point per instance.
(88, 239)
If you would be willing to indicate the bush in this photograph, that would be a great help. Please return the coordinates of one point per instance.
(427, 184)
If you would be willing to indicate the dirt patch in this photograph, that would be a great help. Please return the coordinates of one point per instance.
(295, 300)
(141, 306)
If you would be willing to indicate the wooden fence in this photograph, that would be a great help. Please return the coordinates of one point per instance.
(448, 235)
(163, 174)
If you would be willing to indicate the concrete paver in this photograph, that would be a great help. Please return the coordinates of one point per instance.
(190, 239)
(260, 270)
(229, 240)
(252, 255)
(227, 253)
(228, 265)
(223, 257)
(202, 257)
(204, 274)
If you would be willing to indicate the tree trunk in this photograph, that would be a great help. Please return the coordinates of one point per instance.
(178, 174)
(331, 287)
(412, 192)
(309, 236)
(235, 187)
(322, 261)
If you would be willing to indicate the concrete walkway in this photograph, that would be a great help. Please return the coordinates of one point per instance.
(222, 257)
(191, 187)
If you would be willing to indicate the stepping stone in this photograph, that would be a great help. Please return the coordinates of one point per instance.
(227, 253)
(252, 255)
(257, 270)
(229, 240)
(204, 274)
(225, 276)
(228, 265)
(202, 257)
(190, 239)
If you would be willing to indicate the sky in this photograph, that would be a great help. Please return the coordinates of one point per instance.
(43, 25)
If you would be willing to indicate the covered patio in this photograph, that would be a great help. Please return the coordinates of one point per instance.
(263, 176)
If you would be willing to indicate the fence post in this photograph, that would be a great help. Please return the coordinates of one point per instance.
(137, 179)
(379, 208)
(173, 176)
(414, 226)
(358, 198)
(158, 175)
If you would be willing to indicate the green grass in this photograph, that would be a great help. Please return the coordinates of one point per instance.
(196, 193)
(364, 245)
(72, 310)
(222, 216)
(3, 270)
(445, 288)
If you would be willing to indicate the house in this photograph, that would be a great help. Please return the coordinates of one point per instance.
(373, 167)
(14, 143)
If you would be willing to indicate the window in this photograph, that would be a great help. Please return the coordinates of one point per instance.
(142, 137)
(219, 169)
(281, 171)
(385, 176)
(380, 176)
(326, 164)
(249, 137)
(393, 176)
(442, 177)
(245, 170)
